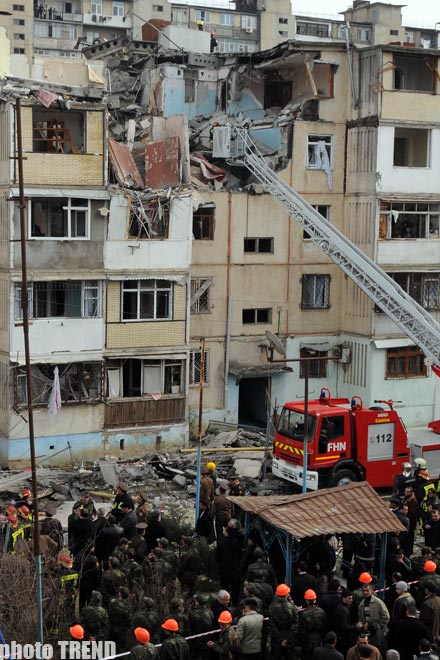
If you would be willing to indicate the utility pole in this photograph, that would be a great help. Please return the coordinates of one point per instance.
(199, 433)
(25, 314)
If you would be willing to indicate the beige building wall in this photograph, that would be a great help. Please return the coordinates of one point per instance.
(19, 25)
(386, 19)
(277, 23)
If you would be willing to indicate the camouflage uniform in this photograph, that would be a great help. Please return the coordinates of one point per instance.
(52, 528)
(120, 620)
(134, 576)
(94, 619)
(175, 647)
(201, 620)
(112, 580)
(226, 639)
(261, 571)
(284, 623)
(144, 652)
(147, 617)
(312, 629)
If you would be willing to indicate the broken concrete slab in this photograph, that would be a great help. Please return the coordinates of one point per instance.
(110, 473)
(179, 480)
(250, 469)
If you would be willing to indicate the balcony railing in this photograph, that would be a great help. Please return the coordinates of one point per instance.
(144, 412)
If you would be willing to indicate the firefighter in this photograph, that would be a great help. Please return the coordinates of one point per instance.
(122, 498)
(424, 488)
(212, 473)
(143, 649)
(51, 526)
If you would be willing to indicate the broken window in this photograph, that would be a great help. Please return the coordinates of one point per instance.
(201, 295)
(423, 287)
(258, 245)
(195, 367)
(61, 299)
(190, 90)
(324, 210)
(408, 362)
(313, 29)
(319, 151)
(146, 300)
(137, 377)
(415, 73)
(59, 218)
(260, 315)
(409, 220)
(58, 132)
(277, 92)
(149, 218)
(315, 292)
(411, 147)
(317, 368)
(203, 223)
(80, 382)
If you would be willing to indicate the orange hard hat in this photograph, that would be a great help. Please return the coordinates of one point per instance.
(225, 617)
(310, 595)
(142, 635)
(365, 578)
(430, 566)
(282, 590)
(77, 632)
(170, 624)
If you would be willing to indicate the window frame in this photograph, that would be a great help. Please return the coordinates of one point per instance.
(70, 219)
(163, 364)
(306, 235)
(312, 305)
(194, 370)
(257, 243)
(141, 285)
(312, 140)
(405, 353)
(202, 15)
(196, 283)
(227, 19)
(207, 218)
(98, 7)
(419, 289)
(407, 138)
(428, 213)
(86, 286)
(118, 8)
(317, 368)
(257, 313)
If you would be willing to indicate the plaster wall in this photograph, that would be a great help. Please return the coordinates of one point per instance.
(413, 253)
(174, 97)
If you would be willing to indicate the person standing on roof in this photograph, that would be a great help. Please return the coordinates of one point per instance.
(200, 26)
(214, 42)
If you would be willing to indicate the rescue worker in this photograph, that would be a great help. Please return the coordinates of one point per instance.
(206, 487)
(68, 579)
(214, 42)
(222, 509)
(94, 619)
(25, 499)
(212, 473)
(429, 576)
(284, 623)
(174, 645)
(227, 638)
(200, 25)
(77, 632)
(85, 502)
(419, 464)
(312, 625)
(122, 497)
(51, 526)
(14, 532)
(143, 650)
(418, 562)
(200, 621)
(25, 519)
(142, 508)
(404, 479)
(425, 486)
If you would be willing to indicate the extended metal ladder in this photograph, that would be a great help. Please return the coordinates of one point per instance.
(411, 318)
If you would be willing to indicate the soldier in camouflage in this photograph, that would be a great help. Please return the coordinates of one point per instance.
(284, 623)
(143, 649)
(94, 619)
(147, 617)
(200, 621)
(120, 619)
(174, 646)
(312, 625)
(227, 638)
(112, 580)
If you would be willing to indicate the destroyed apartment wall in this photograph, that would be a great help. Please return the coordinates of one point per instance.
(175, 37)
(76, 74)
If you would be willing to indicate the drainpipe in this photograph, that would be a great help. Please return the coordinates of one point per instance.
(350, 66)
(228, 304)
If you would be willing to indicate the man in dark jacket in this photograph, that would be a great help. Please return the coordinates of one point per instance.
(407, 634)
(108, 540)
(205, 525)
(346, 631)
(329, 601)
(128, 521)
(228, 558)
(81, 532)
(122, 498)
(301, 583)
(328, 650)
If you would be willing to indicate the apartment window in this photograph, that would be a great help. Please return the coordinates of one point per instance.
(283, 33)
(394, 33)
(118, 9)
(248, 23)
(408, 362)
(315, 292)
(80, 382)
(363, 34)
(258, 245)
(19, 51)
(18, 7)
(227, 19)
(18, 36)
(149, 219)
(259, 315)
(138, 377)
(146, 300)
(409, 220)
(97, 8)
(411, 147)
(415, 73)
(203, 223)
(18, 21)
(59, 218)
(283, 21)
(68, 8)
(201, 295)
(323, 210)
(58, 132)
(179, 16)
(157, 7)
(313, 29)
(317, 368)
(409, 37)
(61, 299)
(319, 151)
(195, 367)
(203, 15)
(423, 287)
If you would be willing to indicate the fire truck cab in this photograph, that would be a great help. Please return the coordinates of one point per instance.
(345, 442)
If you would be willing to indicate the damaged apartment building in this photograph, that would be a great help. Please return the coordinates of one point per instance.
(144, 241)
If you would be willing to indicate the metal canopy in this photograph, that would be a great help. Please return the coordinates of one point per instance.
(260, 371)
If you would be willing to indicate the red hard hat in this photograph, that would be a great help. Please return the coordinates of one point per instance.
(225, 617)
(170, 624)
(77, 632)
(430, 566)
(310, 595)
(26, 492)
(142, 635)
(365, 578)
(282, 590)
(25, 509)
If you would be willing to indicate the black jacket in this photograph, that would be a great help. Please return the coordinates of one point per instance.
(326, 652)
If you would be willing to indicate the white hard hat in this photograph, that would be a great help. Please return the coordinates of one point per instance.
(406, 465)
(420, 462)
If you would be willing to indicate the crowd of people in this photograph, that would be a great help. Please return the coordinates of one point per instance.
(120, 577)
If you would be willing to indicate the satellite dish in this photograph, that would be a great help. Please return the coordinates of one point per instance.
(275, 343)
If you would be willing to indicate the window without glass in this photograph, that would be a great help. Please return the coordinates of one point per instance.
(423, 287)
(203, 223)
(411, 147)
(58, 218)
(319, 150)
(408, 362)
(201, 295)
(149, 218)
(146, 300)
(414, 73)
(137, 377)
(195, 367)
(315, 292)
(57, 132)
(61, 299)
(258, 245)
(253, 316)
(409, 220)
(324, 210)
(317, 368)
(80, 382)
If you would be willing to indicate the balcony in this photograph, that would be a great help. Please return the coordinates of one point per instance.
(144, 412)
(117, 22)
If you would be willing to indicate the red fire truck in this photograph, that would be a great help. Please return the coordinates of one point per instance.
(345, 442)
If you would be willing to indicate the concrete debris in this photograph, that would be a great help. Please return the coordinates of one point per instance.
(245, 467)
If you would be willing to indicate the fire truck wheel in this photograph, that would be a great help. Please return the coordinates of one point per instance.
(342, 478)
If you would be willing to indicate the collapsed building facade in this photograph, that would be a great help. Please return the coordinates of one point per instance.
(141, 242)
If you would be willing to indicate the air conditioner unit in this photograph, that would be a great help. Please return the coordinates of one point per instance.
(249, 30)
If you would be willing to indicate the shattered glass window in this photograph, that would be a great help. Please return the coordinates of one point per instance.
(203, 223)
(61, 299)
(319, 148)
(149, 218)
(80, 382)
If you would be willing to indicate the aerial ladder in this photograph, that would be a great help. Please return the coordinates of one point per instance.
(407, 314)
